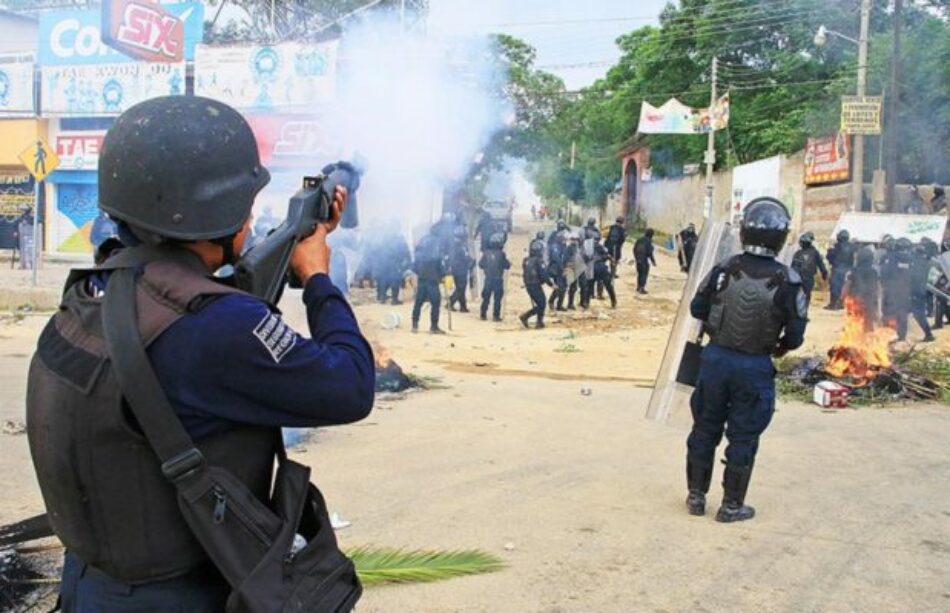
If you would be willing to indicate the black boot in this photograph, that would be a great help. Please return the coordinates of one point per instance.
(735, 483)
(524, 318)
(698, 476)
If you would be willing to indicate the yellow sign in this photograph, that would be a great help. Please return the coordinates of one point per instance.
(39, 159)
(861, 115)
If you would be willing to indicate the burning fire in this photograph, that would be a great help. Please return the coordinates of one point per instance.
(383, 356)
(861, 352)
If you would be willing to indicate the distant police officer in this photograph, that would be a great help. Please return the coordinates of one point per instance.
(429, 266)
(616, 237)
(535, 275)
(231, 368)
(603, 264)
(643, 254)
(460, 265)
(539, 244)
(752, 307)
(494, 263)
(841, 259)
(689, 240)
(557, 263)
(807, 262)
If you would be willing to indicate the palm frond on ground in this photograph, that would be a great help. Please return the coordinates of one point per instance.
(377, 565)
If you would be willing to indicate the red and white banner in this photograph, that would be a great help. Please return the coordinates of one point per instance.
(828, 159)
(143, 30)
(79, 150)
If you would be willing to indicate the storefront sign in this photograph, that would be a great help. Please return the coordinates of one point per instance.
(827, 159)
(290, 141)
(290, 77)
(79, 150)
(107, 89)
(16, 198)
(75, 36)
(16, 85)
(74, 215)
(861, 115)
(143, 30)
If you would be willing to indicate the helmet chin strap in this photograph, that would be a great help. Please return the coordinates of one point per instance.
(759, 250)
(227, 245)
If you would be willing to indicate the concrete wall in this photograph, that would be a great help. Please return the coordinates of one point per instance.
(670, 204)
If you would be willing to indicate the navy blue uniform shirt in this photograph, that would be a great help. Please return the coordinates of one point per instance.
(235, 362)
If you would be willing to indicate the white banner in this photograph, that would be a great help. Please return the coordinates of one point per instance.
(871, 227)
(107, 89)
(286, 77)
(16, 86)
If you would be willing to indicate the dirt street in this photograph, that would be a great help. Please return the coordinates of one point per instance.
(580, 495)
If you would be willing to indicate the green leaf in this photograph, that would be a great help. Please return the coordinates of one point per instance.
(380, 565)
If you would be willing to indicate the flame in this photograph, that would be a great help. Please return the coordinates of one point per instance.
(382, 355)
(862, 351)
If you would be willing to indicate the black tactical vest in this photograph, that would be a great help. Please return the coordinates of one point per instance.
(107, 499)
(494, 265)
(805, 262)
(532, 268)
(744, 316)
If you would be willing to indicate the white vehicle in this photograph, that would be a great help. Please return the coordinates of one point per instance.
(500, 211)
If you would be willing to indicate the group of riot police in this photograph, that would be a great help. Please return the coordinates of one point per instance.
(887, 281)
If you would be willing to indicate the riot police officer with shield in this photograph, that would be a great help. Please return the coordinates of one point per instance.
(179, 176)
(752, 307)
(807, 262)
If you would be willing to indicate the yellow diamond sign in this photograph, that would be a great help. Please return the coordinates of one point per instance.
(39, 159)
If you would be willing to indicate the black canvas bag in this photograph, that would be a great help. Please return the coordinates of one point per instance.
(251, 543)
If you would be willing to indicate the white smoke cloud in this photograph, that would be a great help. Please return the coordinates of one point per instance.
(418, 109)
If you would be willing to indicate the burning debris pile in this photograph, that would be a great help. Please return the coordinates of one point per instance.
(390, 377)
(862, 361)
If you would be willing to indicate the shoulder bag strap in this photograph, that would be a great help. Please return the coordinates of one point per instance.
(137, 380)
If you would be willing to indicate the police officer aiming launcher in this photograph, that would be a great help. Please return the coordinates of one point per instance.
(157, 392)
(752, 307)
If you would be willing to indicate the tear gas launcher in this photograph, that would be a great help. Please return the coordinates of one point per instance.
(263, 270)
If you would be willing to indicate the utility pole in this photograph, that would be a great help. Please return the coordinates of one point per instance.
(573, 153)
(893, 103)
(711, 143)
(857, 178)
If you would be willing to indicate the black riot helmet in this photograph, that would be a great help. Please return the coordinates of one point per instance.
(561, 225)
(865, 257)
(904, 244)
(888, 242)
(765, 226)
(460, 232)
(619, 221)
(180, 167)
(539, 236)
(808, 238)
(591, 222)
(536, 249)
(929, 247)
(497, 240)
(843, 236)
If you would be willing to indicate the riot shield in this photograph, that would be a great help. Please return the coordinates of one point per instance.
(717, 241)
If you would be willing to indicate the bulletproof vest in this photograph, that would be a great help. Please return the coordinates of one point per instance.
(844, 254)
(805, 262)
(532, 271)
(494, 264)
(428, 259)
(613, 236)
(102, 483)
(641, 248)
(460, 257)
(743, 316)
(556, 256)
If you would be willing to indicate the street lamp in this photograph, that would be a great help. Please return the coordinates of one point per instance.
(821, 36)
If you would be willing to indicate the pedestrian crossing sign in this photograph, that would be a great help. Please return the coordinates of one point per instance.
(39, 159)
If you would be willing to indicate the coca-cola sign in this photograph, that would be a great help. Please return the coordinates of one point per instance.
(143, 30)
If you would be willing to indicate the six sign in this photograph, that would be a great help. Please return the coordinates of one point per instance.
(143, 30)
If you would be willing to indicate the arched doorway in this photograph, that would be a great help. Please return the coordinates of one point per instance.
(631, 175)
